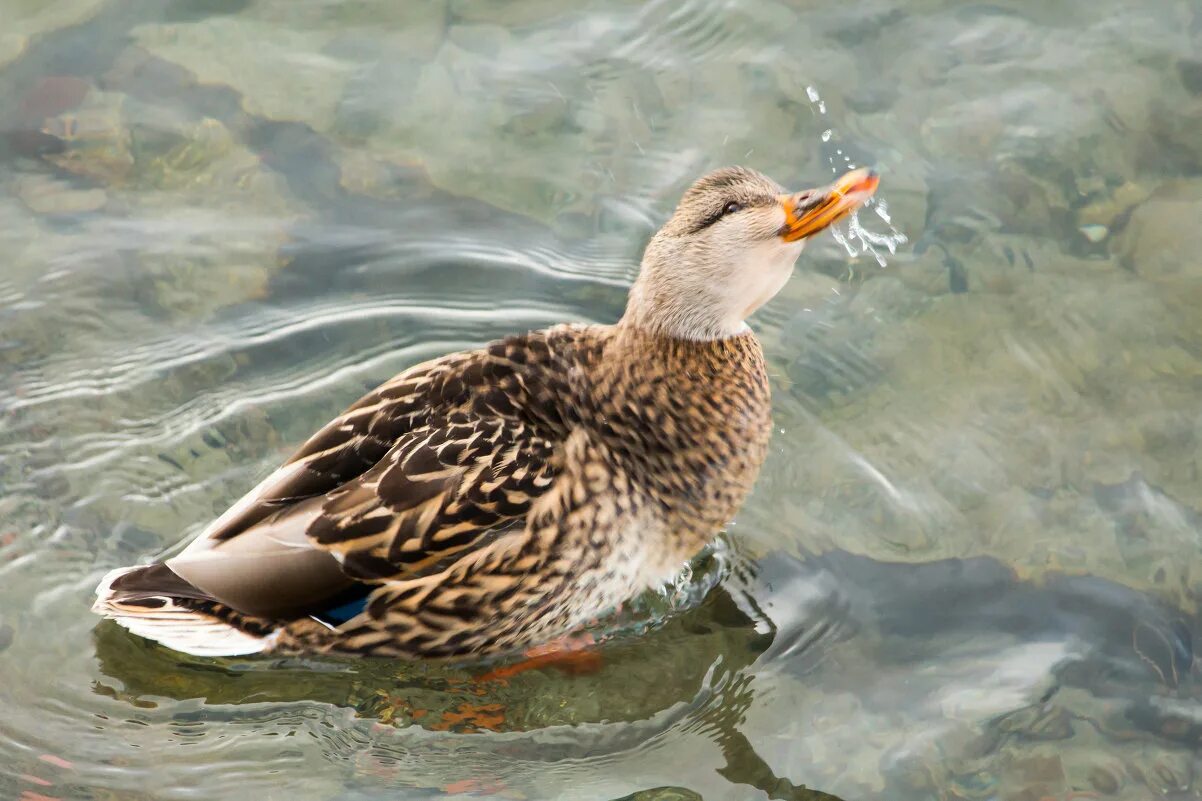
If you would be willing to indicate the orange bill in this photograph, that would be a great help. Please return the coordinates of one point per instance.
(807, 213)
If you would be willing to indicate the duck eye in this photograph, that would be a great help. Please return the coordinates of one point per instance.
(732, 207)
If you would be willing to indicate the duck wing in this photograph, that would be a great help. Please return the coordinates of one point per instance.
(438, 460)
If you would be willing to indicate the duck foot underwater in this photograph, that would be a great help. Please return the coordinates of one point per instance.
(576, 655)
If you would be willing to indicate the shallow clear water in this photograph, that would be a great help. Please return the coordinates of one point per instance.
(971, 568)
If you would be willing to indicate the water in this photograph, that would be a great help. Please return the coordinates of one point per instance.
(971, 568)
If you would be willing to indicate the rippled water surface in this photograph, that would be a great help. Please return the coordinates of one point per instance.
(971, 569)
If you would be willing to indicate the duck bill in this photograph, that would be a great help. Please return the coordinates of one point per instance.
(806, 215)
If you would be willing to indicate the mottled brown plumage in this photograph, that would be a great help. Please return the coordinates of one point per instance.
(491, 499)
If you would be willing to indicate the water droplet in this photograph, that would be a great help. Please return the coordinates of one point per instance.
(812, 94)
(826, 135)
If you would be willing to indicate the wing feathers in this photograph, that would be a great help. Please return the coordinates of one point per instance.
(445, 457)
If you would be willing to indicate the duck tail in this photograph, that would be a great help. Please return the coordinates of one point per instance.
(155, 603)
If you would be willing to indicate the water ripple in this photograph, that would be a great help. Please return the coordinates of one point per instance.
(671, 32)
(149, 361)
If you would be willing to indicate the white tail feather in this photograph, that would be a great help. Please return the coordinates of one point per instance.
(177, 627)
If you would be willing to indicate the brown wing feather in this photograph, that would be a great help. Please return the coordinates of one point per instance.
(445, 454)
(348, 445)
(439, 490)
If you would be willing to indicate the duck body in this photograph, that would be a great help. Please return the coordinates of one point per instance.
(493, 499)
(478, 503)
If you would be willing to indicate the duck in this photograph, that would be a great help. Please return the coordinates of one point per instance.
(495, 499)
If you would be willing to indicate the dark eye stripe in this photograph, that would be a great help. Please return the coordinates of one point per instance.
(708, 221)
(722, 212)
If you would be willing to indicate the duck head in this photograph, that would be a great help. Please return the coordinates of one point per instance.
(729, 248)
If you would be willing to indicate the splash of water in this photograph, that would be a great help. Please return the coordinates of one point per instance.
(858, 240)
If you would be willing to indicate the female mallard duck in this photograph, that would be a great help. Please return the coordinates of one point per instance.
(493, 499)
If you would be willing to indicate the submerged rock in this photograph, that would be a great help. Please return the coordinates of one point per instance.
(1108, 208)
(96, 139)
(1163, 239)
(280, 71)
(25, 20)
(46, 195)
(53, 95)
(664, 794)
(224, 213)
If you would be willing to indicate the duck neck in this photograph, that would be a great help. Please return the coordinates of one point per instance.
(694, 313)
(650, 350)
